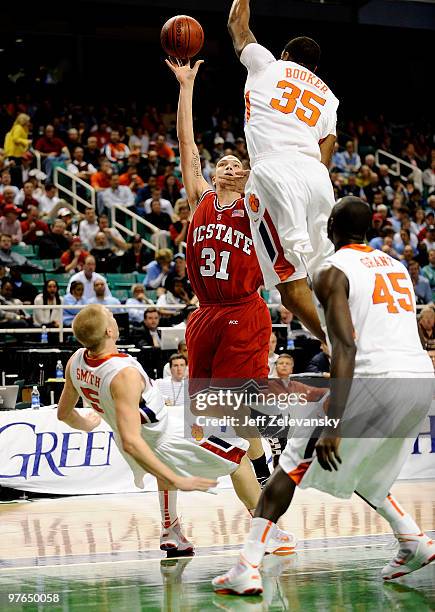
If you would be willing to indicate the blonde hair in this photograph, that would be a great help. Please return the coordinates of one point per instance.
(90, 325)
(164, 255)
(21, 119)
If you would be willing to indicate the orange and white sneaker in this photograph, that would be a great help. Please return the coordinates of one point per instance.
(242, 579)
(415, 551)
(281, 543)
(172, 538)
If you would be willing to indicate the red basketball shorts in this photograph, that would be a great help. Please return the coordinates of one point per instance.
(228, 344)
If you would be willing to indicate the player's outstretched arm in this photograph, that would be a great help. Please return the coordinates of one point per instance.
(126, 389)
(238, 25)
(194, 183)
(66, 411)
(331, 287)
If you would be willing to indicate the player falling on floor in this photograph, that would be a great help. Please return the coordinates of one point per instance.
(369, 308)
(228, 336)
(290, 128)
(120, 392)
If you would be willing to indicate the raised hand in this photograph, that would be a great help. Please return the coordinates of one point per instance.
(185, 73)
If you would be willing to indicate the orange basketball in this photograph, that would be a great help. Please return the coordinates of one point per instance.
(182, 37)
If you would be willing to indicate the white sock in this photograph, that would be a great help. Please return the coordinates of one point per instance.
(258, 538)
(168, 507)
(401, 522)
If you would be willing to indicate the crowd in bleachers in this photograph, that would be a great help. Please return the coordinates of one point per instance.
(52, 252)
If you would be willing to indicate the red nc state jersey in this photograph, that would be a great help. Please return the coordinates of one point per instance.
(221, 260)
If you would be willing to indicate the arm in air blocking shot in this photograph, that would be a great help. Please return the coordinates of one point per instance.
(66, 410)
(126, 389)
(238, 25)
(331, 287)
(194, 183)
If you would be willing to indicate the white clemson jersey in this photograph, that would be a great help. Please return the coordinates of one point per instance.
(92, 378)
(382, 307)
(288, 107)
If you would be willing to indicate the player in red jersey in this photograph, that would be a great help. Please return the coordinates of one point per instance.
(228, 336)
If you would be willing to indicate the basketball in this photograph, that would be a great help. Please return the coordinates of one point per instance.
(182, 37)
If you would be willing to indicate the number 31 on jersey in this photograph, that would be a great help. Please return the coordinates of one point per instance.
(210, 265)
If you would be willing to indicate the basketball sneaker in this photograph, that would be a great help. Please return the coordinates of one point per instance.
(172, 538)
(242, 579)
(415, 551)
(281, 543)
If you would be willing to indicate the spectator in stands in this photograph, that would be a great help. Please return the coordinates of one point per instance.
(163, 150)
(49, 296)
(73, 298)
(284, 368)
(426, 328)
(48, 201)
(52, 149)
(337, 161)
(88, 276)
(21, 172)
(32, 227)
(165, 205)
(388, 248)
(419, 221)
(9, 258)
(363, 177)
(351, 188)
(131, 179)
(115, 240)
(72, 140)
(56, 242)
(162, 221)
(6, 181)
(404, 237)
(272, 357)
(386, 182)
(174, 387)
(9, 223)
(89, 228)
(179, 272)
(218, 150)
(182, 350)
(102, 134)
(158, 270)
(373, 189)
(150, 335)
(73, 259)
(179, 229)
(287, 318)
(407, 255)
(429, 239)
(153, 166)
(139, 297)
(116, 151)
(351, 159)
(176, 293)
(321, 362)
(24, 291)
(140, 139)
(376, 228)
(378, 242)
(145, 193)
(101, 180)
(429, 272)
(137, 256)
(116, 194)
(92, 153)
(171, 191)
(410, 156)
(8, 199)
(17, 141)
(429, 178)
(105, 259)
(103, 297)
(422, 290)
(26, 196)
(18, 316)
(79, 167)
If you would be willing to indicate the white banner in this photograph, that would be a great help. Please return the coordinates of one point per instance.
(39, 453)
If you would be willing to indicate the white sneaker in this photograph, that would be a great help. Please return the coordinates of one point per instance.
(172, 538)
(415, 551)
(242, 579)
(281, 543)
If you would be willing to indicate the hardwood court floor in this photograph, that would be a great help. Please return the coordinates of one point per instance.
(102, 553)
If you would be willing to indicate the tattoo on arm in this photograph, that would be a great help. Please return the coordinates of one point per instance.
(196, 166)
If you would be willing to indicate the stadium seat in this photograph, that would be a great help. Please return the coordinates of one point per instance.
(24, 249)
(120, 281)
(140, 277)
(36, 278)
(48, 264)
(152, 294)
